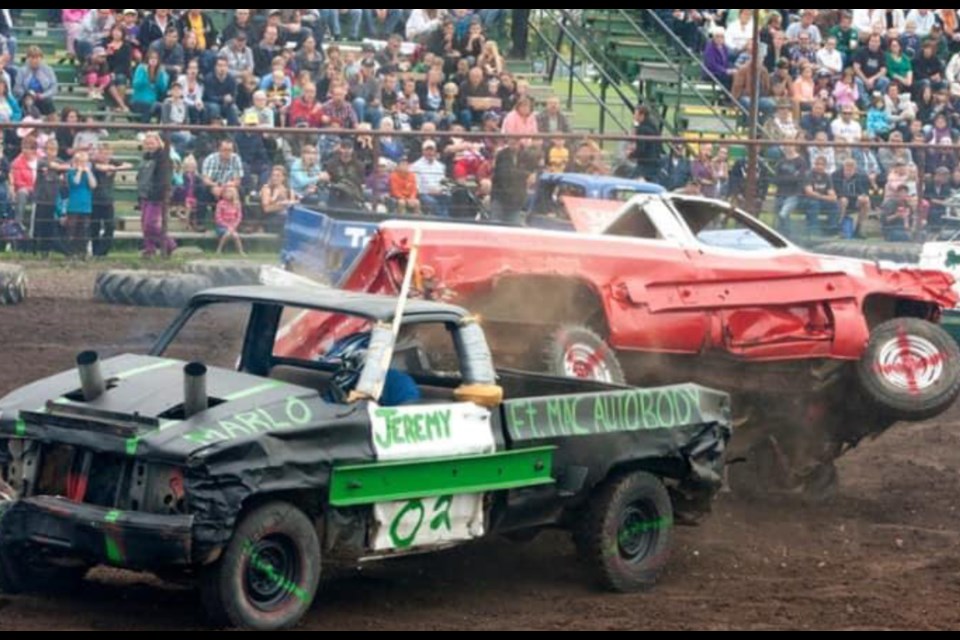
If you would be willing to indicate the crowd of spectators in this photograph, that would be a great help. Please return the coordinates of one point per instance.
(846, 76)
(432, 70)
(826, 77)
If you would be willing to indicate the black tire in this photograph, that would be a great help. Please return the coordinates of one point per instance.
(872, 252)
(626, 534)
(269, 574)
(911, 370)
(13, 285)
(578, 352)
(22, 573)
(226, 273)
(148, 289)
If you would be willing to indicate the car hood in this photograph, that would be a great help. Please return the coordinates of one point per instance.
(137, 414)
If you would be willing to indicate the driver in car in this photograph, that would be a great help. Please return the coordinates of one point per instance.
(350, 356)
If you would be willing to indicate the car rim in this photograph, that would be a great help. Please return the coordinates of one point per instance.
(272, 574)
(639, 528)
(910, 363)
(583, 362)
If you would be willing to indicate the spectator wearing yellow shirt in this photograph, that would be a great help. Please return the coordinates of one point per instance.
(558, 157)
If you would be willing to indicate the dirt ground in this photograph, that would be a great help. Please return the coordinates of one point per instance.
(885, 554)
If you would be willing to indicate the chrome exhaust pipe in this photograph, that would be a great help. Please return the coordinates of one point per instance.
(91, 378)
(194, 390)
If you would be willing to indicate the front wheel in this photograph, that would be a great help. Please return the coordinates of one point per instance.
(627, 532)
(911, 370)
(268, 577)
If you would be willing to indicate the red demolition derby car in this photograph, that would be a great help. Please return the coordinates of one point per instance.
(819, 352)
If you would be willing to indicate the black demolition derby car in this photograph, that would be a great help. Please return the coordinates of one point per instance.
(216, 459)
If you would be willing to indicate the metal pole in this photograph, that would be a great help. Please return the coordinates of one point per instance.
(753, 169)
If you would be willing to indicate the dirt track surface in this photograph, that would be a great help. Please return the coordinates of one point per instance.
(884, 555)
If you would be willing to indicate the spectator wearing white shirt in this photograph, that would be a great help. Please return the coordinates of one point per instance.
(740, 33)
(431, 174)
(423, 22)
(924, 19)
(830, 59)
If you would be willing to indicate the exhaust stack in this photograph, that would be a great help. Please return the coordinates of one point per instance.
(194, 390)
(91, 378)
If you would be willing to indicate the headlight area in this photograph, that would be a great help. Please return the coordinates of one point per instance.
(81, 476)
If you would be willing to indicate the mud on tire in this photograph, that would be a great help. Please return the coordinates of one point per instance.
(13, 285)
(269, 574)
(578, 352)
(625, 536)
(148, 289)
(911, 370)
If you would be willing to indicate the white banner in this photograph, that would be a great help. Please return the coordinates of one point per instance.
(430, 431)
(430, 522)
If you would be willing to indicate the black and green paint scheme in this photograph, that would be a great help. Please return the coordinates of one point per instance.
(555, 441)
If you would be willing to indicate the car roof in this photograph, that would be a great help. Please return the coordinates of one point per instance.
(361, 305)
(592, 181)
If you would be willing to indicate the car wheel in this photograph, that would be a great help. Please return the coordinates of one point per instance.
(626, 534)
(911, 370)
(269, 574)
(13, 285)
(578, 352)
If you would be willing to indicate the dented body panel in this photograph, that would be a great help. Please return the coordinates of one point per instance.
(672, 296)
(127, 480)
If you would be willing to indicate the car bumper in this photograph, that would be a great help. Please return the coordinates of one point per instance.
(102, 536)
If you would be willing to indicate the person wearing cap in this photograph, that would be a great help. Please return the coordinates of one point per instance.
(899, 216)
(366, 92)
(346, 177)
(239, 55)
(431, 175)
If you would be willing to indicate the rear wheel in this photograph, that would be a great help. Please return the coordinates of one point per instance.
(578, 352)
(626, 535)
